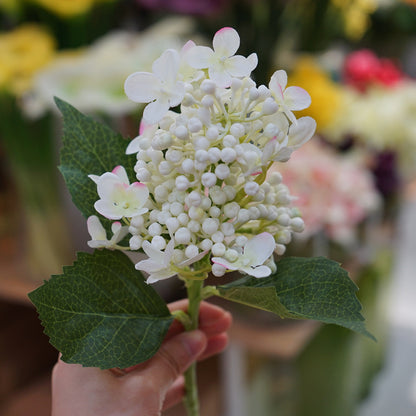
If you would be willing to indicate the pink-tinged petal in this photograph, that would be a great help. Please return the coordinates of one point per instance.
(278, 83)
(133, 146)
(188, 46)
(142, 87)
(95, 228)
(301, 132)
(121, 173)
(166, 66)
(221, 78)
(226, 42)
(144, 126)
(260, 271)
(115, 227)
(155, 111)
(108, 210)
(259, 248)
(238, 66)
(199, 57)
(297, 98)
(225, 263)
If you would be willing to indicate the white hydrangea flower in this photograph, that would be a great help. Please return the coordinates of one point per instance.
(161, 89)
(251, 261)
(289, 99)
(119, 198)
(203, 188)
(222, 63)
(99, 235)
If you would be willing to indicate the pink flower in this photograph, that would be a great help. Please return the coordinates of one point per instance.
(363, 68)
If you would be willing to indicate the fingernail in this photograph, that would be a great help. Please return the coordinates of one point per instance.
(194, 342)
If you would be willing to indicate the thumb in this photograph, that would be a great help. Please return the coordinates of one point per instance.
(174, 357)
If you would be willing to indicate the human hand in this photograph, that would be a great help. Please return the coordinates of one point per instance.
(147, 388)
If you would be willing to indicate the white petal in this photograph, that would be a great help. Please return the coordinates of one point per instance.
(222, 78)
(106, 185)
(226, 42)
(238, 66)
(278, 83)
(141, 191)
(225, 263)
(107, 208)
(177, 94)
(133, 146)
(119, 234)
(193, 259)
(95, 228)
(259, 248)
(155, 111)
(301, 132)
(155, 255)
(160, 275)
(297, 98)
(252, 60)
(199, 57)
(148, 266)
(142, 87)
(121, 173)
(95, 178)
(166, 67)
(260, 271)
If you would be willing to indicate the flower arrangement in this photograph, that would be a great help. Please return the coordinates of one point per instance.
(193, 193)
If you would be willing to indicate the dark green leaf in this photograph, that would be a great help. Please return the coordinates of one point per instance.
(89, 147)
(101, 313)
(303, 288)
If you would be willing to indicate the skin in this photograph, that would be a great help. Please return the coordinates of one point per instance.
(147, 388)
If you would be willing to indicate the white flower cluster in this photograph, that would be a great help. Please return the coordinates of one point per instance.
(202, 190)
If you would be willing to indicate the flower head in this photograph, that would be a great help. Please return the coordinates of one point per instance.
(222, 63)
(118, 198)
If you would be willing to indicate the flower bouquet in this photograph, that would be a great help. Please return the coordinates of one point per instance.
(193, 193)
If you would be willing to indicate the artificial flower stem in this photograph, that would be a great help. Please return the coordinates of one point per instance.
(194, 288)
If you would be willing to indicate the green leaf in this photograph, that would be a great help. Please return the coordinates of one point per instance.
(89, 147)
(303, 288)
(101, 313)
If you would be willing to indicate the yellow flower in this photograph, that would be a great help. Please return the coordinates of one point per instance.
(326, 95)
(68, 8)
(23, 52)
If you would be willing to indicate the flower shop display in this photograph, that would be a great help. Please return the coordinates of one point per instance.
(194, 193)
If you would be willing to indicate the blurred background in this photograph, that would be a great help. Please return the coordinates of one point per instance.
(355, 182)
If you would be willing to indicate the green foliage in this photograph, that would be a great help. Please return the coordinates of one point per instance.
(303, 288)
(101, 313)
(89, 147)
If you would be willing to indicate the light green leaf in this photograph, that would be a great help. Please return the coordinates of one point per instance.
(303, 288)
(101, 313)
(89, 147)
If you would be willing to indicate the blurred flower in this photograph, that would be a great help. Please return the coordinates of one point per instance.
(68, 8)
(363, 68)
(23, 52)
(356, 15)
(92, 79)
(197, 7)
(334, 193)
(325, 94)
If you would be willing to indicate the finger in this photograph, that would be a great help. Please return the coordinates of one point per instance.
(215, 345)
(212, 318)
(175, 393)
(172, 359)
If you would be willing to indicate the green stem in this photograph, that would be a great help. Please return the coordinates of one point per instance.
(194, 288)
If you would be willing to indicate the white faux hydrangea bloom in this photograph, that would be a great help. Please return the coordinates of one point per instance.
(210, 207)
